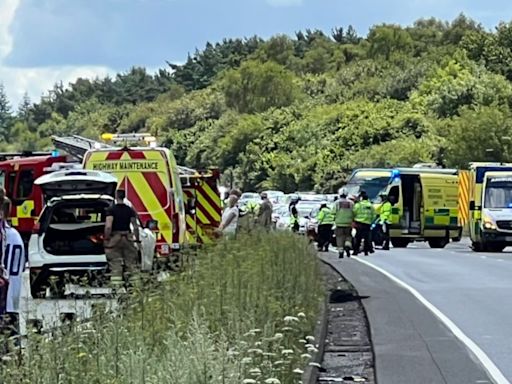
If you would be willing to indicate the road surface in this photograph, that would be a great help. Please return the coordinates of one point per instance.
(471, 292)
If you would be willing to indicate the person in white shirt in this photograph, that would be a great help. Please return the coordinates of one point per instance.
(13, 265)
(229, 220)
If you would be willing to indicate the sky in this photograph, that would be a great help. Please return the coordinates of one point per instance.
(45, 41)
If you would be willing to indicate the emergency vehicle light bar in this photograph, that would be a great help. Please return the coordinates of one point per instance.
(128, 137)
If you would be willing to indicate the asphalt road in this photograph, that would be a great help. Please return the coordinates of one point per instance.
(471, 291)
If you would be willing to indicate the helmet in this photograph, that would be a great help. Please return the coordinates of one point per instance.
(342, 191)
(383, 194)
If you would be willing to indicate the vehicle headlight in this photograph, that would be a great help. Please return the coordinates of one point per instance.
(489, 224)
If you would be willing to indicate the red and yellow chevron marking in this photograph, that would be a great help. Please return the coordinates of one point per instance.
(207, 216)
(463, 198)
(147, 187)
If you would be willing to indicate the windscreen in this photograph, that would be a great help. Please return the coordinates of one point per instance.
(371, 184)
(498, 193)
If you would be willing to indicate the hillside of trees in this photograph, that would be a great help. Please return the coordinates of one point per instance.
(300, 112)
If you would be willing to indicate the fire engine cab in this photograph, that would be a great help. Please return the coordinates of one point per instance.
(18, 170)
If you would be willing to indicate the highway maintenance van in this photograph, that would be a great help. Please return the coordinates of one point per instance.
(490, 206)
(426, 202)
(150, 176)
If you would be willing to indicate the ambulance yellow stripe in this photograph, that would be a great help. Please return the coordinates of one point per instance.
(463, 198)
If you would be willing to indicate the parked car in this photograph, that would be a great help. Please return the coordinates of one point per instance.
(274, 196)
(68, 238)
(248, 196)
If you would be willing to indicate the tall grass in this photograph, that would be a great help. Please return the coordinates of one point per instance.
(240, 312)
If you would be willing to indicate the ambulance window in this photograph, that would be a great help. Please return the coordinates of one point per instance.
(25, 184)
(395, 192)
(11, 183)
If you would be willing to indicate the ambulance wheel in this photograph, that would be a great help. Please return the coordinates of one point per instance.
(399, 242)
(440, 242)
(477, 247)
(497, 247)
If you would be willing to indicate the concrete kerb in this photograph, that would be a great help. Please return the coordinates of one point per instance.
(310, 374)
(321, 352)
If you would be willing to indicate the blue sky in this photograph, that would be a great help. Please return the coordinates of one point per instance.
(43, 41)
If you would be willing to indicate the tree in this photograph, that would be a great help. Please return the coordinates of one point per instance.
(386, 39)
(480, 134)
(6, 118)
(256, 87)
(24, 107)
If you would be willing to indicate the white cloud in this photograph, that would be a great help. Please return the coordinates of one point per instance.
(7, 11)
(38, 80)
(284, 3)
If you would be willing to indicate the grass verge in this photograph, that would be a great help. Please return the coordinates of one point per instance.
(240, 312)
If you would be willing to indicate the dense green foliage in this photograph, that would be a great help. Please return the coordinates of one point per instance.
(301, 112)
(243, 309)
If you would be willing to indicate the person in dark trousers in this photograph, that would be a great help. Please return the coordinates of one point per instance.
(120, 242)
(265, 212)
(385, 218)
(364, 214)
(325, 220)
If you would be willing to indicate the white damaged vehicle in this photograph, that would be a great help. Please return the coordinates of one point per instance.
(67, 241)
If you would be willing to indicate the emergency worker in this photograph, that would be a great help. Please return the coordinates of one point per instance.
(294, 219)
(364, 214)
(325, 218)
(265, 212)
(5, 204)
(385, 218)
(121, 245)
(343, 219)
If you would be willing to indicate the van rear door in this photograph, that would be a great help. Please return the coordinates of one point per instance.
(440, 202)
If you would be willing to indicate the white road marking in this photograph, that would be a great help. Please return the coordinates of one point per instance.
(487, 363)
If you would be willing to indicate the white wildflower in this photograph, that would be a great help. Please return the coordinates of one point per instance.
(250, 333)
(269, 354)
(272, 380)
(255, 371)
(286, 329)
(309, 345)
(246, 360)
(302, 341)
(278, 336)
(232, 352)
(290, 319)
(310, 338)
(298, 371)
(287, 351)
(313, 364)
(301, 315)
(255, 330)
(257, 344)
(306, 356)
(312, 350)
(256, 351)
(249, 381)
(279, 362)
